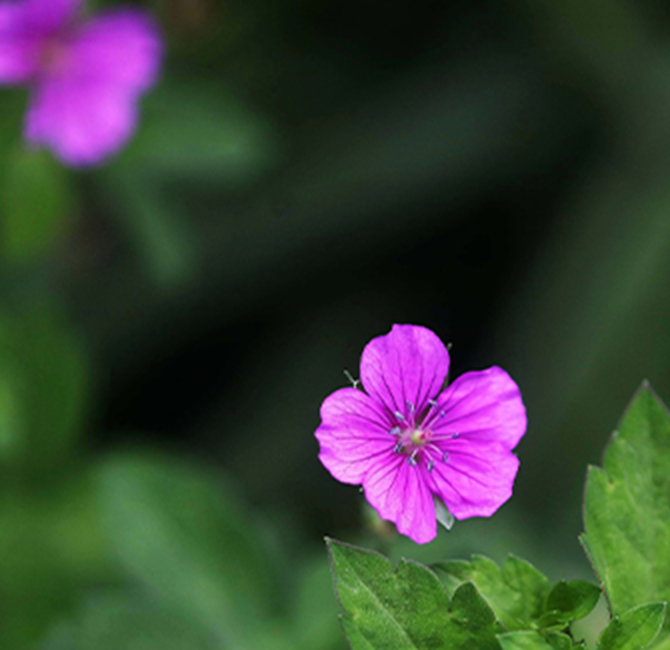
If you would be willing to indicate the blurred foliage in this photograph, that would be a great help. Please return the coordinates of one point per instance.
(306, 174)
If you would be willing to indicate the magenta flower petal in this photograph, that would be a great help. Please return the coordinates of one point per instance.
(401, 493)
(407, 442)
(352, 434)
(18, 48)
(49, 15)
(404, 368)
(83, 122)
(476, 479)
(482, 406)
(122, 48)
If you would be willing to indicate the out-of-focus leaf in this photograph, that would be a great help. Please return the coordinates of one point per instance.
(36, 204)
(202, 132)
(406, 608)
(42, 389)
(161, 235)
(627, 508)
(315, 621)
(51, 544)
(635, 629)
(532, 640)
(124, 622)
(569, 602)
(516, 594)
(178, 531)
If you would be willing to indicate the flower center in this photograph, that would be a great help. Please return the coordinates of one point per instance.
(418, 437)
(53, 56)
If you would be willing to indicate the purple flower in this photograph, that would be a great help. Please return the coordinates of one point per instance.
(407, 440)
(85, 77)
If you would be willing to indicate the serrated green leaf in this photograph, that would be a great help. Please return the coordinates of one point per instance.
(36, 202)
(516, 594)
(177, 530)
(633, 630)
(533, 640)
(627, 508)
(42, 390)
(356, 639)
(569, 602)
(406, 608)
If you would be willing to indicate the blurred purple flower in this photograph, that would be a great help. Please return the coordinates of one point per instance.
(408, 441)
(85, 76)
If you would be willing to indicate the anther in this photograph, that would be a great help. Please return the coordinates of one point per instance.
(431, 464)
(410, 406)
(398, 447)
(400, 416)
(396, 431)
(412, 460)
(445, 457)
(433, 403)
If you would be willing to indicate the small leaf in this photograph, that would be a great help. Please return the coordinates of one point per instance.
(516, 594)
(37, 203)
(533, 640)
(569, 602)
(42, 390)
(627, 508)
(635, 629)
(406, 608)
(115, 621)
(179, 532)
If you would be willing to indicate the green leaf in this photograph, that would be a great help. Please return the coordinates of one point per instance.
(533, 640)
(406, 608)
(51, 546)
(627, 508)
(176, 529)
(42, 390)
(115, 621)
(569, 602)
(162, 234)
(516, 594)
(37, 203)
(635, 629)
(202, 132)
(314, 621)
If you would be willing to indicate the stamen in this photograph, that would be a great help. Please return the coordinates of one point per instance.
(400, 416)
(396, 431)
(398, 447)
(412, 459)
(354, 382)
(445, 457)
(410, 406)
(431, 464)
(433, 403)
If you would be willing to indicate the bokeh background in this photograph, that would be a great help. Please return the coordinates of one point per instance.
(307, 173)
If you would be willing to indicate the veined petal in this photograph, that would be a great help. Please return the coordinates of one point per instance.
(122, 48)
(399, 492)
(83, 122)
(482, 406)
(353, 434)
(405, 368)
(476, 479)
